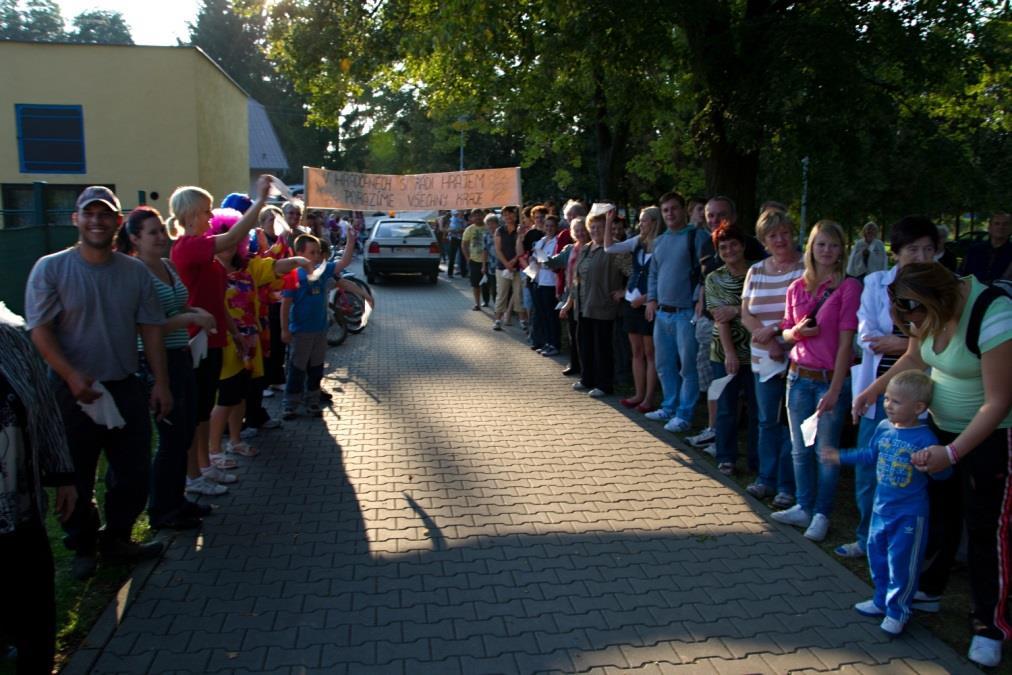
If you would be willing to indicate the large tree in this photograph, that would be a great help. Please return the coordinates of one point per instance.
(99, 26)
(236, 41)
(722, 96)
(41, 21)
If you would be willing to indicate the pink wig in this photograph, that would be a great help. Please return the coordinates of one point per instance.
(222, 221)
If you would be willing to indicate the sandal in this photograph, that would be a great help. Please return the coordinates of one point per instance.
(222, 461)
(629, 402)
(645, 407)
(726, 468)
(242, 448)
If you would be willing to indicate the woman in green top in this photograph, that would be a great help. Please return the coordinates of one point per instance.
(972, 412)
(730, 348)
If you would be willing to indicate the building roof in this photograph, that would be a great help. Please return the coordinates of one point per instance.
(264, 147)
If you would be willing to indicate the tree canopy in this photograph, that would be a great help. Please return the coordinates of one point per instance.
(42, 21)
(897, 106)
(237, 43)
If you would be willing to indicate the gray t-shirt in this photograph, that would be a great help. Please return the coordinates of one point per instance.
(94, 309)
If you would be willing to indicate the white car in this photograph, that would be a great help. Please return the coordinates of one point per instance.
(401, 246)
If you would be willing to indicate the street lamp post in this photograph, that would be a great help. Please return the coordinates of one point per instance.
(460, 122)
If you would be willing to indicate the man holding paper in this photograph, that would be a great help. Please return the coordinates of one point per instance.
(85, 306)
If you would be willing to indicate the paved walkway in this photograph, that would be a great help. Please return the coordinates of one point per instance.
(462, 510)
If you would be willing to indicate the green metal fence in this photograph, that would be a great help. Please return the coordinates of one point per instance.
(19, 249)
(42, 229)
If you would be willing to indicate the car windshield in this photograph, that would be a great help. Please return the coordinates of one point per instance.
(404, 229)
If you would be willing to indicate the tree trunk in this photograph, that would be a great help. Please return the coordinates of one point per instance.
(603, 140)
(732, 173)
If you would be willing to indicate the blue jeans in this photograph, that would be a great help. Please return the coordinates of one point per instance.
(816, 482)
(727, 413)
(675, 356)
(776, 468)
(864, 474)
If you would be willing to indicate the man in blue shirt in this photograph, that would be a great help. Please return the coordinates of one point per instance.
(671, 293)
(456, 231)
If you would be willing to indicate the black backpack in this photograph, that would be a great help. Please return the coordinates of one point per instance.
(980, 305)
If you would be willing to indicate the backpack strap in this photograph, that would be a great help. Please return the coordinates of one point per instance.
(980, 305)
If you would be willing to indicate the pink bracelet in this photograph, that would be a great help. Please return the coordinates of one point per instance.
(951, 452)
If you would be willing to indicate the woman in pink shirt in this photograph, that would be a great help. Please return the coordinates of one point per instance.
(819, 321)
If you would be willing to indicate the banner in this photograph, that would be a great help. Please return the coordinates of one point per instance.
(484, 188)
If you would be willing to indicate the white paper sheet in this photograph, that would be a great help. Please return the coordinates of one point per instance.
(633, 295)
(103, 410)
(280, 226)
(768, 368)
(531, 271)
(484, 280)
(810, 429)
(717, 387)
(316, 273)
(279, 189)
(198, 347)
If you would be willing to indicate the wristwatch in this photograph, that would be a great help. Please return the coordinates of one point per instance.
(778, 332)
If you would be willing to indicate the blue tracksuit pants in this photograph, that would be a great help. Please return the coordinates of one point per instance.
(895, 552)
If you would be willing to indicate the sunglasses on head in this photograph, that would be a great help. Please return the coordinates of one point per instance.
(904, 304)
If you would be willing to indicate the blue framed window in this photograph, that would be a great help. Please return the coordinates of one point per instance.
(50, 138)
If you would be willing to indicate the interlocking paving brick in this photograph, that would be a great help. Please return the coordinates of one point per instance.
(429, 523)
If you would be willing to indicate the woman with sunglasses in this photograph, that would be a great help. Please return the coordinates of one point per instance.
(972, 413)
(882, 341)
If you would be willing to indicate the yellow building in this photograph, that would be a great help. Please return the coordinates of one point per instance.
(142, 120)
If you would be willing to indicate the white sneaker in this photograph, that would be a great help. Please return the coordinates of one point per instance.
(711, 450)
(984, 651)
(705, 437)
(658, 415)
(869, 608)
(818, 528)
(579, 386)
(215, 474)
(202, 486)
(892, 626)
(852, 550)
(268, 393)
(677, 425)
(795, 516)
(596, 393)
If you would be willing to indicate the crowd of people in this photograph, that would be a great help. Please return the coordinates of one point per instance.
(151, 348)
(807, 341)
(132, 345)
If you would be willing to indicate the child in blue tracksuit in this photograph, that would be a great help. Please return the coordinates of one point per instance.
(899, 529)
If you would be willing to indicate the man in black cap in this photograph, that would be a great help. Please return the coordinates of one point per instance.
(85, 307)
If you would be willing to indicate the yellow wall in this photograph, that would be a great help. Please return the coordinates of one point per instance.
(222, 131)
(154, 117)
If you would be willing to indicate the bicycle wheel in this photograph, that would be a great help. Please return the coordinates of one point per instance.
(337, 330)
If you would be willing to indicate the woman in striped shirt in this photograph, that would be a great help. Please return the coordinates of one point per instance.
(144, 236)
(763, 301)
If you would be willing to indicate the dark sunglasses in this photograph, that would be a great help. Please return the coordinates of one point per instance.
(905, 305)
